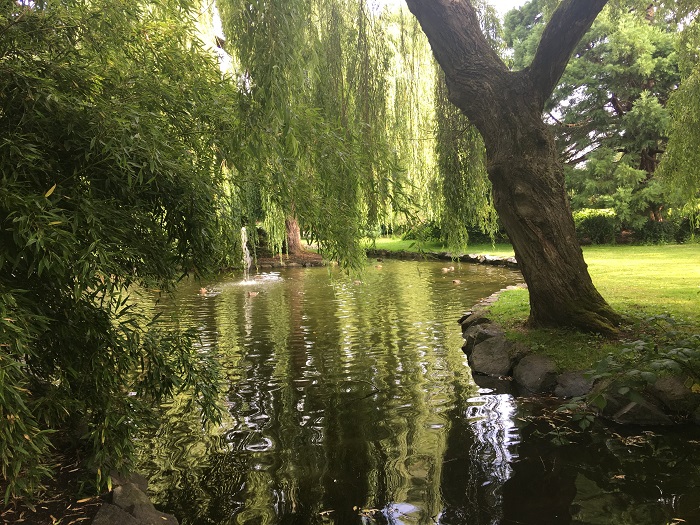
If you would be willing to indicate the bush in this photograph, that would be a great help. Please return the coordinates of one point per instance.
(596, 226)
(109, 179)
(658, 232)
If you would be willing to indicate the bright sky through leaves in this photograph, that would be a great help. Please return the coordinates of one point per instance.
(502, 6)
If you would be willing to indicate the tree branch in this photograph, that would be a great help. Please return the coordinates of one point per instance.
(570, 22)
(461, 49)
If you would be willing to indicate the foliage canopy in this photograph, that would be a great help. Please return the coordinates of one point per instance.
(110, 124)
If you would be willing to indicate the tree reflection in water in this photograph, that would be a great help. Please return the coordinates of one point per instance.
(352, 404)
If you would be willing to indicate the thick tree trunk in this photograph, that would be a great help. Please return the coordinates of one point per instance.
(294, 246)
(531, 200)
(522, 162)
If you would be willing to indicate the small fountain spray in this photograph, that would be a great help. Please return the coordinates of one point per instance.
(247, 259)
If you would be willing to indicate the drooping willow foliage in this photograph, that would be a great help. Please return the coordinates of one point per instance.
(466, 190)
(312, 75)
(339, 125)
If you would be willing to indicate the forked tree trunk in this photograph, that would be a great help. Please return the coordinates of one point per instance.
(522, 161)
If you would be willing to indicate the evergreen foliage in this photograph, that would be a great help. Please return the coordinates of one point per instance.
(611, 110)
(680, 166)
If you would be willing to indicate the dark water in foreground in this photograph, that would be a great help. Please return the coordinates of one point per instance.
(351, 403)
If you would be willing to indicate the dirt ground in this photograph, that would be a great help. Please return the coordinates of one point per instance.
(58, 503)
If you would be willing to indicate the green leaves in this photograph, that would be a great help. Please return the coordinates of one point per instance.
(110, 120)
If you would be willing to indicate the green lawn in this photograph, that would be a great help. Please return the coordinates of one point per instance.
(397, 244)
(649, 279)
(641, 282)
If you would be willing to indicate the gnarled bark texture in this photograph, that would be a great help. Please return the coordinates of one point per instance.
(522, 161)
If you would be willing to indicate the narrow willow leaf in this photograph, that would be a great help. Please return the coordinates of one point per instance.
(50, 191)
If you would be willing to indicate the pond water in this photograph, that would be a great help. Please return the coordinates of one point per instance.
(351, 403)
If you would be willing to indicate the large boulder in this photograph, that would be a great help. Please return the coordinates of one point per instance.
(113, 515)
(473, 318)
(536, 374)
(478, 333)
(675, 394)
(572, 384)
(492, 357)
(620, 408)
(133, 477)
(132, 500)
(641, 412)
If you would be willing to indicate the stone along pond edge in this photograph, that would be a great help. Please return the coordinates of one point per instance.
(511, 367)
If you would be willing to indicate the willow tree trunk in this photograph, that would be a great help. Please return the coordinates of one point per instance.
(522, 161)
(294, 246)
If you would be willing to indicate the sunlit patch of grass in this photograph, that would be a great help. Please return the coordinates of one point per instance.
(398, 244)
(640, 282)
(651, 280)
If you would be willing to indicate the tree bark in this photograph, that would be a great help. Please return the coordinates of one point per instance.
(294, 246)
(522, 161)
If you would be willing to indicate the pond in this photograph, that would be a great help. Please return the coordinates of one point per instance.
(350, 402)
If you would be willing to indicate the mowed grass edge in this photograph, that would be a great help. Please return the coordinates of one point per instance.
(647, 284)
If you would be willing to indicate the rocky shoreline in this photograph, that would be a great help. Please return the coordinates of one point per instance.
(493, 260)
(511, 367)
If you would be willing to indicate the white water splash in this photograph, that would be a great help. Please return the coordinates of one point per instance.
(247, 259)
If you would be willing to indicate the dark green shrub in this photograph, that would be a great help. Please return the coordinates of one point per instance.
(596, 226)
(658, 232)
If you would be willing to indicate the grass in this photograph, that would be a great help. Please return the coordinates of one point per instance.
(397, 244)
(640, 282)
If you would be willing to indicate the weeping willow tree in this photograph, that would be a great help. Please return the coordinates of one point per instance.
(314, 146)
(680, 165)
(442, 154)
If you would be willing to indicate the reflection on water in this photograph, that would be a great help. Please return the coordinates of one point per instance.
(496, 437)
(350, 402)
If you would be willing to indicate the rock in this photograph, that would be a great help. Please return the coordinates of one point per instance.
(491, 357)
(675, 395)
(572, 384)
(466, 316)
(518, 350)
(511, 262)
(477, 333)
(641, 413)
(536, 374)
(129, 498)
(113, 515)
(472, 319)
(470, 258)
(135, 478)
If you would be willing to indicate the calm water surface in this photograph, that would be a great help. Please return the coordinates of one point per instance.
(352, 403)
